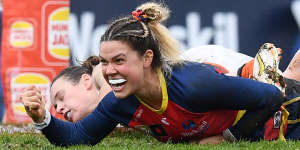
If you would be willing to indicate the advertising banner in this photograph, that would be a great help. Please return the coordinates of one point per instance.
(239, 25)
(34, 50)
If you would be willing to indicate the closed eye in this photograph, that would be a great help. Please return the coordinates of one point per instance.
(60, 95)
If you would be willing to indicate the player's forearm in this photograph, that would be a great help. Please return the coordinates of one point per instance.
(90, 130)
(62, 133)
(260, 101)
(256, 118)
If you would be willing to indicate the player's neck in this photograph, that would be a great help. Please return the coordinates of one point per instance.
(152, 93)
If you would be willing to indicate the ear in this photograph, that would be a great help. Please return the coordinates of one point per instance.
(148, 58)
(86, 81)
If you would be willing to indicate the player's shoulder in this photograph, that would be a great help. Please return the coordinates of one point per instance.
(192, 68)
(190, 75)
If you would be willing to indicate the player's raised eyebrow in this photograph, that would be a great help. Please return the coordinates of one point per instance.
(118, 55)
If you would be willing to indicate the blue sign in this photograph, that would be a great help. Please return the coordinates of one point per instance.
(240, 25)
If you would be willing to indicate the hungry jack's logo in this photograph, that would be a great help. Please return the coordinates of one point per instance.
(23, 80)
(58, 39)
(21, 34)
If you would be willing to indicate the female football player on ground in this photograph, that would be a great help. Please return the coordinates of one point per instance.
(152, 87)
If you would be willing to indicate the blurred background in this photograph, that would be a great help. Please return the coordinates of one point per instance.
(40, 40)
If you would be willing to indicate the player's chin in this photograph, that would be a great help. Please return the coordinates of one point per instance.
(121, 95)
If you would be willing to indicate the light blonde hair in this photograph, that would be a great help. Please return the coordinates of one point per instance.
(93, 65)
(169, 47)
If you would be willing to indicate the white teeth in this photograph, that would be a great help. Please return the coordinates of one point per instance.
(68, 114)
(117, 81)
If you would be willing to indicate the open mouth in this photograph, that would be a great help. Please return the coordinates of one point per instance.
(67, 115)
(117, 84)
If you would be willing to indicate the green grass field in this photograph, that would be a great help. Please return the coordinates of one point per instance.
(135, 141)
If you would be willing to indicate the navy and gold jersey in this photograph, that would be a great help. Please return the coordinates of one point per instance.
(198, 101)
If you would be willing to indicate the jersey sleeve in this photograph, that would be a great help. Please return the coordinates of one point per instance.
(90, 130)
(204, 89)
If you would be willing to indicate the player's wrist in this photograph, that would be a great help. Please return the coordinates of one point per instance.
(36, 119)
(43, 122)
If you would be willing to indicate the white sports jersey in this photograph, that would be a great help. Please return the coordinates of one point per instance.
(228, 58)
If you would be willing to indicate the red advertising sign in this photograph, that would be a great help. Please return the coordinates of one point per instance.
(35, 49)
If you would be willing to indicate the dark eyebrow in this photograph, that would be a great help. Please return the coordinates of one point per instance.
(114, 56)
(118, 56)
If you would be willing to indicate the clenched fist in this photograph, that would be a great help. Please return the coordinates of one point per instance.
(34, 103)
